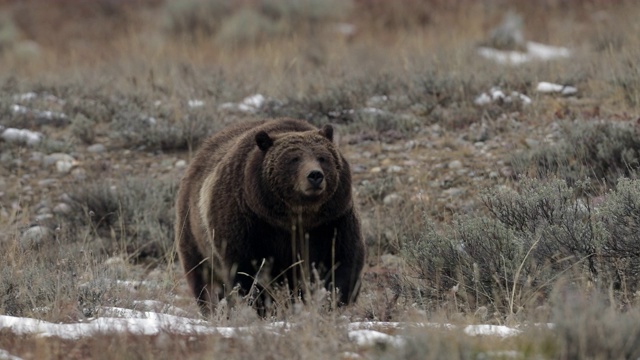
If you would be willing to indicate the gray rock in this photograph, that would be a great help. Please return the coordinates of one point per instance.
(47, 182)
(64, 166)
(43, 218)
(180, 164)
(531, 143)
(358, 168)
(36, 236)
(62, 208)
(455, 164)
(52, 159)
(96, 148)
(392, 199)
(394, 169)
(453, 192)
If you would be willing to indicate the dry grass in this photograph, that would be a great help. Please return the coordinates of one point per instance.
(525, 259)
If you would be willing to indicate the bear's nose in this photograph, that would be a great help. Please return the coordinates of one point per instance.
(315, 178)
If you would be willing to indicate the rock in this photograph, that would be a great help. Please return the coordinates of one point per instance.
(358, 168)
(43, 217)
(375, 170)
(394, 169)
(96, 148)
(453, 192)
(392, 199)
(47, 182)
(52, 159)
(180, 164)
(64, 166)
(455, 164)
(62, 209)
(531, 143)
(36, 236)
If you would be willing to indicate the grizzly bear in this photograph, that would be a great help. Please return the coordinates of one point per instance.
(266, 203)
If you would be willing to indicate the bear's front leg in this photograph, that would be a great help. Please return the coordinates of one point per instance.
(348, 259)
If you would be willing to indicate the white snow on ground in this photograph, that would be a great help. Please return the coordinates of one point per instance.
(535, 52)
(495, 94)
(5, 355)
(25, 97)
(547, 87)
(491, 330)
(43, 114)
(250, 104)
(121, 320)
(195, 103)
(372, 337)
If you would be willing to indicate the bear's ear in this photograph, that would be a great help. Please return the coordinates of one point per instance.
(263, 140)
(327, 131)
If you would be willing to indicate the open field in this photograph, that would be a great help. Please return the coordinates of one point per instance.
(487, 195)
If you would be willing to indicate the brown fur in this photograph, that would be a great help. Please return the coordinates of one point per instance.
(245, 197)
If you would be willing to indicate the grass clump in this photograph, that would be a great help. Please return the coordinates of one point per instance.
(588, 325)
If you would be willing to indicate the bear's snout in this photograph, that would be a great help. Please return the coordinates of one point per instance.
(315, 178)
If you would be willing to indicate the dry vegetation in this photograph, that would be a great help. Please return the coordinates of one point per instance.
(504, 214)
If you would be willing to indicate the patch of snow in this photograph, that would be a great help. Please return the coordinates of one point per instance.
(45, 115)
(118, 320)
(535, 52)
(346, 29)
(21, 136)
(491, 330)
(5, 355)
(503, 56)
(539, 51)
(483, 99)
(250, 104)
(19, 109)
(145, 326)
(368, 325)
(377, 100)
(495, 94)
(372, 337)
(547, 87)
(25, 97)
(195, 103)
(373, 111)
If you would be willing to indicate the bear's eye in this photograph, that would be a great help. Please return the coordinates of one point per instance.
(321, 159)
(294, 159)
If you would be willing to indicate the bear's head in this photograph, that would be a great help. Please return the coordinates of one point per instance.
(302, 169)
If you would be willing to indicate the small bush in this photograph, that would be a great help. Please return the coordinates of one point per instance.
(530, 238)
(133, 216)
(602, 151)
